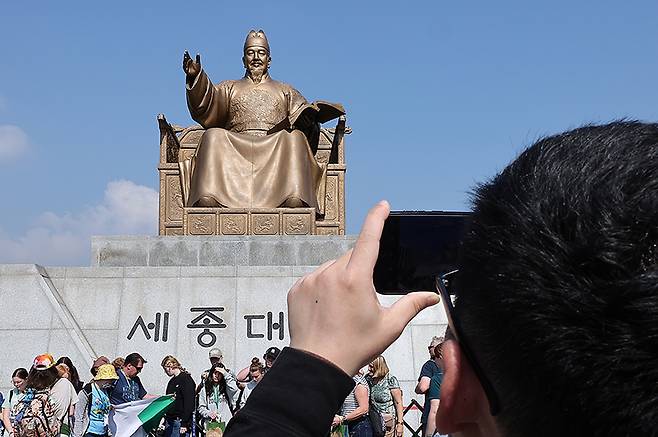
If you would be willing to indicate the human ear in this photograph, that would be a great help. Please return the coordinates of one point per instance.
(463, 404)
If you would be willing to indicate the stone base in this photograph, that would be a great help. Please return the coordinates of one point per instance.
(261, 250)
(234, 221)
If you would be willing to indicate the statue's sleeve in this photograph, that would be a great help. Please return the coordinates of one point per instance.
(311, 131)
(296, 100)
(208, 103)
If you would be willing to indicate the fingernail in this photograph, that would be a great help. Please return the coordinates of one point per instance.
(384, 203)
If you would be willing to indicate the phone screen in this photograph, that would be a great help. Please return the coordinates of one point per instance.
(415, 247)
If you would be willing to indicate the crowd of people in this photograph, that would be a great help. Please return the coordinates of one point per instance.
(51, 398)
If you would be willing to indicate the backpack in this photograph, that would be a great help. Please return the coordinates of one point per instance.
(34, 415)
(87, 389)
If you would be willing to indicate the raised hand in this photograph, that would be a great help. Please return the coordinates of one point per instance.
(191, 67)
(334, 312)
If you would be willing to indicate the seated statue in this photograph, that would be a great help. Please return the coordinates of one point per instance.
(257, 150)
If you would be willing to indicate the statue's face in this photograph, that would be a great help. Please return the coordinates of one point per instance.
(256, 60)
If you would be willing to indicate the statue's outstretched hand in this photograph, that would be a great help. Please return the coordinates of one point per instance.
(334, 312)
(191, 67)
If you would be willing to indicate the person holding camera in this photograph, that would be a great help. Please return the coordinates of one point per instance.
(560, 261)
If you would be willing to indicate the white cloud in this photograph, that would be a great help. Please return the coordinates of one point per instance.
(13, 141)
(126, 209)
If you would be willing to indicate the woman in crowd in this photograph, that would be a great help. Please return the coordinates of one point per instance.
(386, 396)
(216, 396)
(74, 377)
(19, 380)
(35, 413)
(93, 405)
(354, 411)
(178, 420)
(43, 374)
(63, 396)
(256, 372)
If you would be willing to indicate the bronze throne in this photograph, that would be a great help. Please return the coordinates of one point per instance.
(178, 143)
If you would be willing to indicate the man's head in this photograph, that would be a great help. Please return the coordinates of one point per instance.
(133, 364)
(256, 58)
(433, 344)
(215, 356)
(271, 355)
(557, 293)
(438, 354)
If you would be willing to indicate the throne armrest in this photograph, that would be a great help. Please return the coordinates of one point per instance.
(339, 133)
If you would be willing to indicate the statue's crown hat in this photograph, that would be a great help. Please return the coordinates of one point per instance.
(256, 38)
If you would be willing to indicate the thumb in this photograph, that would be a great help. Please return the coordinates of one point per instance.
(406, 308)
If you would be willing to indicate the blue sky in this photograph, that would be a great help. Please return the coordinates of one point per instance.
(440, 95)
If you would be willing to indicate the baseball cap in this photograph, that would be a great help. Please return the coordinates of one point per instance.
(272, 352)
(43, 362)
(215, 353)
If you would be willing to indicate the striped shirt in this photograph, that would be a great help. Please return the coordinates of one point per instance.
(350, 403)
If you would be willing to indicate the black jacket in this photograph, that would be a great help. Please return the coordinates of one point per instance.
(184, 388)
(298, 396)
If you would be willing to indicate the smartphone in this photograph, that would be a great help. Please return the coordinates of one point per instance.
(415, 247)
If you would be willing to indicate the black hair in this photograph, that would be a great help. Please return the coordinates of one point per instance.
(134, 359)
(41, 379)
(209, 383)
(21, 373)
(558, 286)
(73, 373)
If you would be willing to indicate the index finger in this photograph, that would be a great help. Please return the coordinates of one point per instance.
(366, 249)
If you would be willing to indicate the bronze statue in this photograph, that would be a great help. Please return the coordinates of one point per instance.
(257, 151)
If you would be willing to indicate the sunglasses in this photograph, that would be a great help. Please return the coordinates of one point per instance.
(447, 294)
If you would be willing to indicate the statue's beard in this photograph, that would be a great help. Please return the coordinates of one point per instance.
(256, 73)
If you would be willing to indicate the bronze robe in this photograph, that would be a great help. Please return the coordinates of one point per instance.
(236, 162)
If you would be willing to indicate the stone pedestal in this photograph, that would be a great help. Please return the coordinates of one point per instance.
(247, 250)
(179, 296)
